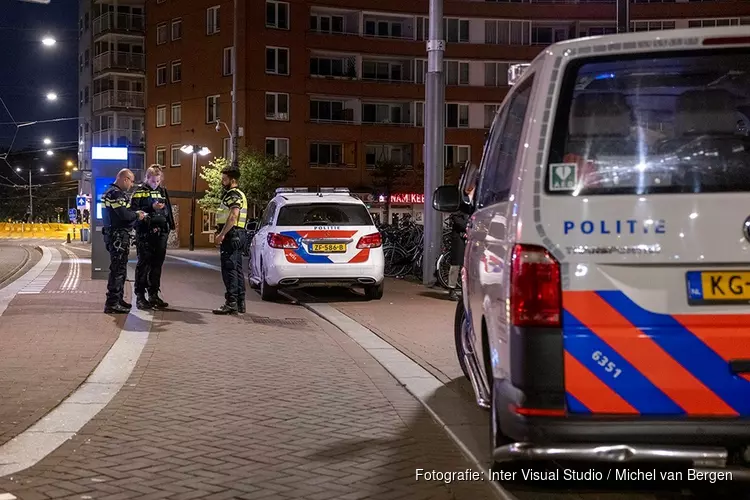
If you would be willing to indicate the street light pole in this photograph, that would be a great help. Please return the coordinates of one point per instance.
(192, 200)
(434, 140)
(234, 134)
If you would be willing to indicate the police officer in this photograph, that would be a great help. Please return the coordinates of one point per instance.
(151, 238)
(118, 221)
(231, 219)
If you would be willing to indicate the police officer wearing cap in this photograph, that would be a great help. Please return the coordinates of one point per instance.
(231, 219)
(118, 222)
(152, 234)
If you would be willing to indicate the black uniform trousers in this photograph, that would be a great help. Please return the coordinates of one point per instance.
(117, 242)
(231, 266)
(152, 251)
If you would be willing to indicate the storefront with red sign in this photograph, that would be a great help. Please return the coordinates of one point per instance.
(411, 204)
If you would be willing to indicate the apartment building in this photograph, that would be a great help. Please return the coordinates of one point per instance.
(112, 81)
(339, 85)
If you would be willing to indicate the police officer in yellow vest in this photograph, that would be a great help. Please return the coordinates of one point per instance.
(232, 238)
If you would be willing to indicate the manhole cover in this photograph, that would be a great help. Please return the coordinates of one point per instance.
(280, 322)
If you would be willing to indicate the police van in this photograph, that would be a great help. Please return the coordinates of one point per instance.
(316, 239)
(606, 282)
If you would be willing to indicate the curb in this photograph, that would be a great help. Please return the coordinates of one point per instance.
(415, 379)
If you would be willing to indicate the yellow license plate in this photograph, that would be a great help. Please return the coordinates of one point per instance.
(329, 247)
(718, 286)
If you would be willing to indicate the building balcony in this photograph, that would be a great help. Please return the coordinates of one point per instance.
(119, 99)
(393, 114)
(333, 21)
(118, 137)
(115, 22)
(122, 61)
(333, 66)
(389, 26)
(388, 70)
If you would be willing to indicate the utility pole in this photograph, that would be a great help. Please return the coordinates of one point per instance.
(623, 16)
(31, 201)
(192, 198)
(434, 140)
(235, 127)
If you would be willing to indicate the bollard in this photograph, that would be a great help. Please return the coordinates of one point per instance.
(68, 235)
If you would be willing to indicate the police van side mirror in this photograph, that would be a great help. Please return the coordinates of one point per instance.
(446, 199)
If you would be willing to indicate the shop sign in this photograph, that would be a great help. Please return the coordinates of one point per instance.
(406, 198)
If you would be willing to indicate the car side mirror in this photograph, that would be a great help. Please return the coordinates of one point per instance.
(446, 199)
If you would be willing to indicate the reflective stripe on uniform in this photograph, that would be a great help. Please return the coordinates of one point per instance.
(222, 215)
(115, 204)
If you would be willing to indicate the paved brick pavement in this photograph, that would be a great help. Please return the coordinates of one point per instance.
(416, 320)
(50, 342)
(273, 404)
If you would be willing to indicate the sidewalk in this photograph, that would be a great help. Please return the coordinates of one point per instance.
(274, 404)
(52, 335)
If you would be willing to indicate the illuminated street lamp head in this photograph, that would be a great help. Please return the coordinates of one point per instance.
(47, 141)
(18, 169)
(67, 173)
(69, 163)
(204, 151)
(49, 152)
(49, 41)
(51, 96)
(41, 169)
(75, 169)
(190, 149)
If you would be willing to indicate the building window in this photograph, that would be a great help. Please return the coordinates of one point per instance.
(496, 74)
(86, 57)
(161, 156)
(383, 71)
(161, 74)
(323, 155)
(212, 108)
(456, 73)
(209, 222)
(86, 95)
(419, 114)
(345, 67)
(457, 115)
(277, 146)
(507, 32)
(653, 25)
(161, 33)
(327, 24)
(226, 147)
(176, 29)
(175, 153)
(277, 15)
(490, 110)
(161, 116)
(399, 154)
(176, 71)
(277, 106)
(457, 155)
(456, 30)
(546, 35)
(227, 67)
(277, 61)
(330, 111)
(176, 113)
(212, 20)
(160, 1)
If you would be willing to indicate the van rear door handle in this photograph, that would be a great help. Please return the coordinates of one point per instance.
(739, 366)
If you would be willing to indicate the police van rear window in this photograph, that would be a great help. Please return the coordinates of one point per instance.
(647, 124)
(323, 214)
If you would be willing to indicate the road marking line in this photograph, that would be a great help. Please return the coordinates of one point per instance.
(8, 293)
(196, 263)
(67, 419)
(45, 276)
(7, 496)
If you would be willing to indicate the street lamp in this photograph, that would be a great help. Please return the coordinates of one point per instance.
(51, 96)
(69, 163)
(31, 198)
(49, 41)
(47, 141)
(194, 150)
(50, 152)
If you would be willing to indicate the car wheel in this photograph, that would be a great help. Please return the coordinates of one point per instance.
(267, 292)
(459, 333)
(374, 292)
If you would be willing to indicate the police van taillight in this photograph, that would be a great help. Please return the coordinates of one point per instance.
(535, 288)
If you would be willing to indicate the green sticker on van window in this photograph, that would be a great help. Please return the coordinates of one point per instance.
(563, 176)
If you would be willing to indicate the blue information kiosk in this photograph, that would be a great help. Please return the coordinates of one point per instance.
(105, 163)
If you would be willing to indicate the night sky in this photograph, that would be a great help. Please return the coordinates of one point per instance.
(29, 70)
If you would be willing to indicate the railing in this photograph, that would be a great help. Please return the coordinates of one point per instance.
(119, 99)
(118, 137)
(389, 123)
(343, 121)
(346, 31)
(119, 60)
(114, 21)
(377, 78)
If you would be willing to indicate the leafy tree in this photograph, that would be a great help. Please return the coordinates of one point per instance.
(260, 175)
(387, 177)
(211, 173)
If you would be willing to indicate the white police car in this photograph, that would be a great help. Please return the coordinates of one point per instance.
(312, 239)
(613, 203)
